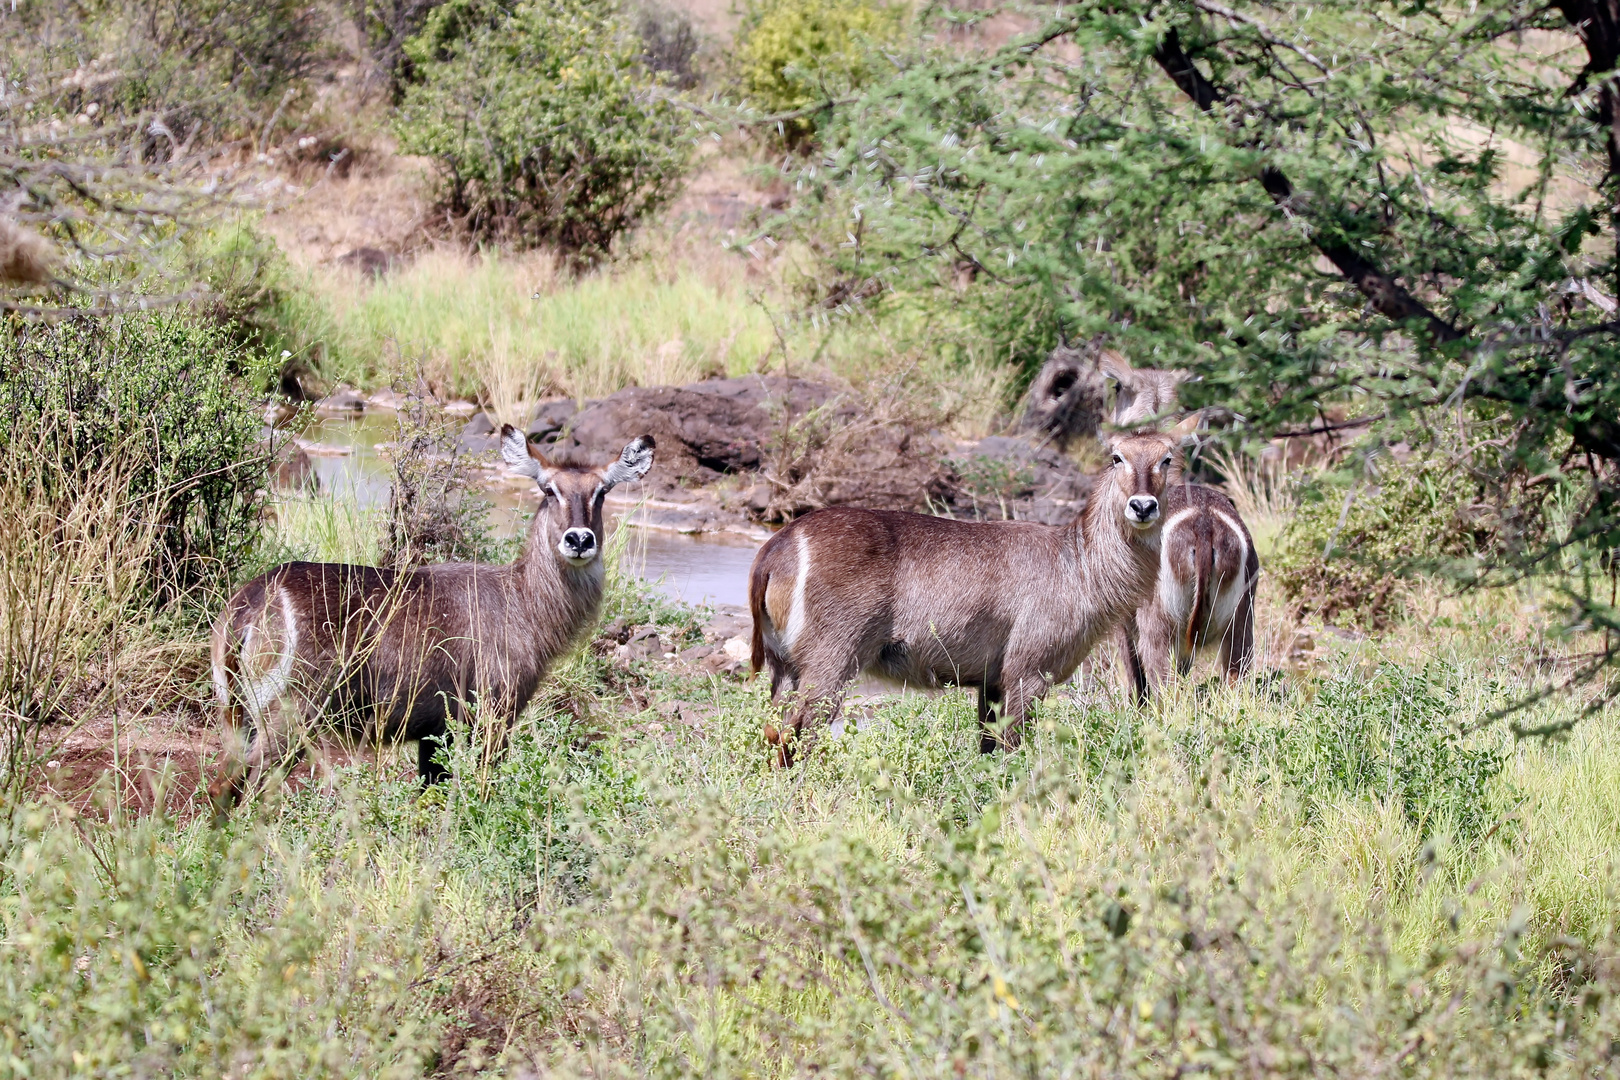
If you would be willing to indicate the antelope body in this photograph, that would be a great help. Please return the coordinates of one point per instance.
(1208, 568)
(398, 654)
(1009, 608)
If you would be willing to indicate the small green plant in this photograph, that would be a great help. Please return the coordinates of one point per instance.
(546, 126)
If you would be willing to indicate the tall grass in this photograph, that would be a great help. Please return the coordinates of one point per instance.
(510, 329)
(474, 320)
(77, 633)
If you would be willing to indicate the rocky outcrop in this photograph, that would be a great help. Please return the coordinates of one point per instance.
(703, 430)
(1012, 477)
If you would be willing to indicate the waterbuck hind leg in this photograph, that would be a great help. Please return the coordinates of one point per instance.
(1237, 643)
(990, 699)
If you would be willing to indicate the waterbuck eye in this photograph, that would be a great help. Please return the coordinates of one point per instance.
(1118, 460)
(1165, 464)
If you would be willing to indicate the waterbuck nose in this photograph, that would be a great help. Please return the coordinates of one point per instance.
(1142, 509)
(578, 544)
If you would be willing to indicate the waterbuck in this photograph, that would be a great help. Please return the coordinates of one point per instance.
(397, 654)
(1208, 567)
(1006, 607)
(1208, 570)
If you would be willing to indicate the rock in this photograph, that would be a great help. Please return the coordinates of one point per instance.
(479, 435)
(461, 408)
(1012, 477)
(729, 659)
(344, 401)
(290, 467)
(644, 644)
(550, 419)
(386, 399)
(696, 653)
(1069, 396)
(374, 262)
(278, 414)
(703, 429)
(759, 499)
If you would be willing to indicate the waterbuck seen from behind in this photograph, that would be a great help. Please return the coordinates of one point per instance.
(397, 654)
(1006, 607)
(1208, 568)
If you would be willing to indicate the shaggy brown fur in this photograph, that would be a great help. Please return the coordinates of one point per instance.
(1009, 608)
(388, 654)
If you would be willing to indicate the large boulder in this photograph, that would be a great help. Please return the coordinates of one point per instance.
(703, 430)
(1011, 477)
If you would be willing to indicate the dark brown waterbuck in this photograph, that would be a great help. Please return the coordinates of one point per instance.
(1008, 607)
(398, 654)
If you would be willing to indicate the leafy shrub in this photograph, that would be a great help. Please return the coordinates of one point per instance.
(207, 68)
(167, 401)
(791, 54)
(1393, 735)
(118, 960)
(546, 127)
(1347, 553)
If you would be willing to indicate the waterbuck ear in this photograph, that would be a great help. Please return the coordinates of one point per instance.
(1114, 366)
(1187, 430)
(519, 456)
(634, 461)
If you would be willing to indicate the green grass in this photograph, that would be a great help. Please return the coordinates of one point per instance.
(509, 330)
(519, 324)
(643, 894)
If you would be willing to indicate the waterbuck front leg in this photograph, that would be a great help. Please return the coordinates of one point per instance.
(1130, 658)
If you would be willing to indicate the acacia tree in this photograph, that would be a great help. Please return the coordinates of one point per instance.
(1410, 211)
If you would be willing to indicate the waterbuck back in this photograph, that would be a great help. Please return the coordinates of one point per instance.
(1208, 567)
(1009, 608)
(1208, 571)
(398, 654)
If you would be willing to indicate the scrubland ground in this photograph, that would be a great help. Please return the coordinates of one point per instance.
(1344, 864)
(1382, 854)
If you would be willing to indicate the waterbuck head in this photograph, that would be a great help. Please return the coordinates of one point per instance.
(1144, 464)
(572, 494)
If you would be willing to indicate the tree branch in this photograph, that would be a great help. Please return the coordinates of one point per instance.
(1388, 297)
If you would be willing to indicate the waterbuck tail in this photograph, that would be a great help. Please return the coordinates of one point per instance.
(1203, 571)
(759, 579)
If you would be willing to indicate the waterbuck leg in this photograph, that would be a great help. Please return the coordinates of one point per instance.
(990, 696)
(1237, 644)
(430, 770)
(1130, 657)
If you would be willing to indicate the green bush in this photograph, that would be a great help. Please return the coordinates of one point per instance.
(1349, 551)
(546, 126)
(791, 54)
(156, 953)
(1392, 735)
(165, 398)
